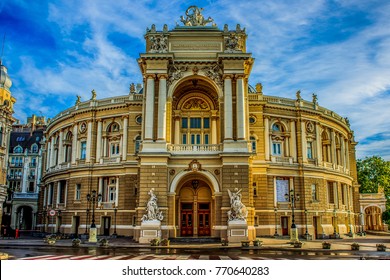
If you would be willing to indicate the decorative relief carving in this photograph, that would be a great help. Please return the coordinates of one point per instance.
(159, 43)
(309, 127)
(175, 73)
(194, 17)
(233, 43)
(196, 104)
(214, 72)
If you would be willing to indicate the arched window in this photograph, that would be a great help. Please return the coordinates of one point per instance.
(113, 137)
(18, 150)
(326, 151)
(278, 136)
(34, 148)
(68, 146)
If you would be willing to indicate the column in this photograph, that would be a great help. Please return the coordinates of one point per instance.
(116, 191)
(66, 193)
(58, 199)
(61, 148)
(228, 108)
(347, 155)
(101, 191)
(124, 138)
(48, 155)
(45, 196)
(89, 142)
(293, 141)
(333, 147)
(74, 144)
(304, 141)
(162, 110)
(240, 108)
(214, 132)
(318, 143)
(342, 151)
(25, 174)
(52, 154)
(99, 141)
(149, 108)
(177, 130)
(266, 138)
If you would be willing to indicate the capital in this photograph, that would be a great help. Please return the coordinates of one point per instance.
(162, 76)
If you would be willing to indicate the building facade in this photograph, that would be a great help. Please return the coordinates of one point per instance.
(194, 134)
(24, 173)
(7, 102)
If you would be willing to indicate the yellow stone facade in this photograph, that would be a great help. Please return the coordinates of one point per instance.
(7, 102)
(195, 130)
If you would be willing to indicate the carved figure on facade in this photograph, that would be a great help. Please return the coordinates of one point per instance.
(93, 95)
(298, 94)
(214, 72)
(194, 17)
(153, 213)
(159, 43)
(238, 211)
(347, 121)
(132, 88)
(259, 88)
(233, 43)
(78, 100)
(315, 99)
(175, 73)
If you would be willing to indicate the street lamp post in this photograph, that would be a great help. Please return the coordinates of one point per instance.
(335, 234)
(93, 198)
(115, 234)
(59, 221)
(276, 225)
(350, 224)
(86, 221)
(293, 197)
(307, 235)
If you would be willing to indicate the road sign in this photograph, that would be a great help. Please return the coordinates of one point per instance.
(52, 212)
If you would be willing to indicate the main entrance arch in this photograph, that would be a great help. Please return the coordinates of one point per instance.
(194, 206)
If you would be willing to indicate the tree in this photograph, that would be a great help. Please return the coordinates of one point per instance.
(374, 172)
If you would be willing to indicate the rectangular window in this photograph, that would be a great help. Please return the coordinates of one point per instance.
(282, 188)
(276, 149)
(114, 149)
(309, 150)
(31, 187)
(184, 139)
(197, 138)
(206, 123)
(330, 192)
(83, 151)
(78, 192)
(184, 123)
(206, 139)
(254, 189)
(192, 138)
(112, 194)
(195, 122)
(314, 193)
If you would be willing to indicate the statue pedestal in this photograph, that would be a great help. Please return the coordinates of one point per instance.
(150, 230)
(237, 231)
(92, 235)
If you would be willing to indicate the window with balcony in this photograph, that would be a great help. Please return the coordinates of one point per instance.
(114, 149)
(276, 148)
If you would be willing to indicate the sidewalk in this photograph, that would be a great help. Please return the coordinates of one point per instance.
(367, 243)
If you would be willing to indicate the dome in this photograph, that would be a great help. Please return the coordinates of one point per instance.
(5, 81)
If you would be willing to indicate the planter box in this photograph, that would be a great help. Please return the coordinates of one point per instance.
(326, 246)
(381, 248)
(257, 243)
(245, 243)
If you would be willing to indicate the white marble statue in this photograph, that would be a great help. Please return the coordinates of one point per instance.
(238, 211)
(152, 211)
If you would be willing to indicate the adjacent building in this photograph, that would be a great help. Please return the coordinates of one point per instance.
(195, 133)
(24, 173)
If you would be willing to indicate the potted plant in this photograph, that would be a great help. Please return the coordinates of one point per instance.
(257, 243)
(224, 241)
(245, 243)
(381, 247)
(326, 245)
(355, 246)
(51, 239)
(103, 242)
(297, 244)
(164, 242)
(154, 242)
(76, 242)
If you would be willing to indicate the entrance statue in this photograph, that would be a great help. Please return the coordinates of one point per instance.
(238, 211)
(153, 213)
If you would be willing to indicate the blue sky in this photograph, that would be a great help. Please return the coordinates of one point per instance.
(340, 50)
